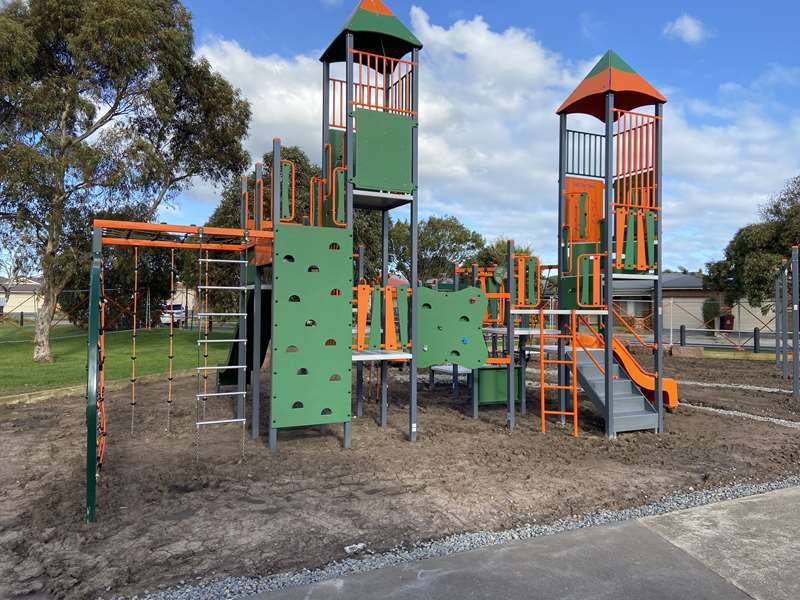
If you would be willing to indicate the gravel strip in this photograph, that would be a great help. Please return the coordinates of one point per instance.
(736, 413)
(736, 386)
(239, 587)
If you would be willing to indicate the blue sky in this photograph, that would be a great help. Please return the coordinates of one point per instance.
(730, 70)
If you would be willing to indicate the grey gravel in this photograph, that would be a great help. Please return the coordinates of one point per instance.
(211, 588)
(736, 413)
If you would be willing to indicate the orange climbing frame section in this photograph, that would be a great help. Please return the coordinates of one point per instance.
(645, 380)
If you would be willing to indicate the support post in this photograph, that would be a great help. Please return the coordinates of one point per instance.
(608, 284)
(561, 320)
(326, 94)
(92, 385)
(475, 374)
(255, 350)
(412, 375)
(785, 321)
(455, 366)
(795, 329)
(360, 364)
(658, 312)
(348, 113)
(510, 376)
(682, 335)
(241, 374)
(777, 320)
(756, 340)
(384, 400)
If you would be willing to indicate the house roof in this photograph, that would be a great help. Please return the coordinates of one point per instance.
(669, 281)
(23, 285)
(610, 74)
(376, 30)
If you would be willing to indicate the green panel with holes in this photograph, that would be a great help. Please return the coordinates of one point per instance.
(383, 151)
(449, 328)
(311, 327)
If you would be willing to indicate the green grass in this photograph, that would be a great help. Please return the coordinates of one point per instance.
(19, 374)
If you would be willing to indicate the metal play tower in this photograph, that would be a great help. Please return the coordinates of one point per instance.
(610, 225)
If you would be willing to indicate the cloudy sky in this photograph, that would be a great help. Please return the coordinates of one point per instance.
(492, 76)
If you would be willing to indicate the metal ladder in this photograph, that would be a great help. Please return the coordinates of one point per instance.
(203, 368)
(571, 383)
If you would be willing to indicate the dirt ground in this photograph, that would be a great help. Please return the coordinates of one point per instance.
(757, 373)
(168, 512)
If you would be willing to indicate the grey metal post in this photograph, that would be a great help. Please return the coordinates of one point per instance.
(412, 376)
(326, 93)
(349, 128)
(475, 374)
(561, 320)
(658, 312)
(255, 350)
(360, 364)
(777, 320)
(785, 321)
(756, 340)
(608, 287)
(682, 335)
(511, 418)
(795, 329)
(384, 407)
(241, 374)
(455, 367)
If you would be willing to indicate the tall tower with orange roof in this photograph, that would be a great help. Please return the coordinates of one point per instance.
(370, 118)
(610, 221)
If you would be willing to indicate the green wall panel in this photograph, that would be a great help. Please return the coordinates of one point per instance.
(311, 328)
(493, 384)
(383, 151)
(449, 328)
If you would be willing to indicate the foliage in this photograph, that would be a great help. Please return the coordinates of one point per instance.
(496, 253)
(443, 242)
(103, 107)
(757, 250)
(711, 310)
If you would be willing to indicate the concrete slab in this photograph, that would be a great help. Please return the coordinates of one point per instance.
(625, 560)
(752, 542)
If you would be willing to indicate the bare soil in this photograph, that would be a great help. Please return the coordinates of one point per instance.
(169, 509)
(731, 373)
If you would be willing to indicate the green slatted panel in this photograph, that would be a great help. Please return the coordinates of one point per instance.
(375, 323)
(650, 227)
(582, 215)
(450, 329)
(311, 378)
(531, 272)
(630, 240)
(402, 314)
(586, 280)
(340, 180)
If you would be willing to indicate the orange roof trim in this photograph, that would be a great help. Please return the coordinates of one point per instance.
(375, 6)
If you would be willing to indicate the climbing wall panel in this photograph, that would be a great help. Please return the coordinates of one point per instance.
(311, 327)
(450, 329)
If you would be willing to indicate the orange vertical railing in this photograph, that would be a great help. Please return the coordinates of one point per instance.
(572, 363)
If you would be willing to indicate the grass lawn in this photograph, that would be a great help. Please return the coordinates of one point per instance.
(19, 374)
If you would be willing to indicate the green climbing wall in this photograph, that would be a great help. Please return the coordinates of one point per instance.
(449, 328)
(311, 327)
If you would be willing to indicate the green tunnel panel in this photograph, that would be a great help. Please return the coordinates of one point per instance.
(493, 384)
(383, 151)
(450, 329)
(311, 328)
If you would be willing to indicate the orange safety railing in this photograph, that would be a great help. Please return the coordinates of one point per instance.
(337, 103)
(361, 302)
(572, 363)
(383, 83)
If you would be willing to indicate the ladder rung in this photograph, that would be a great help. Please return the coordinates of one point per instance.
(560, 412)
(222, 287)
(219, 422)
(221, 341)
(221, 314)
(221, 368)
(210, 394)
(223, 260)
(559, 387)
(548, 361)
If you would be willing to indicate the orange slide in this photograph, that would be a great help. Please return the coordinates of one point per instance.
(644, 380)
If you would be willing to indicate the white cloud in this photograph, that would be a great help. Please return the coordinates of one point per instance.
(488, 135)
(688, 29)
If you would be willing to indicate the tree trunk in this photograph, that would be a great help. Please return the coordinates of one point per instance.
(44, 319)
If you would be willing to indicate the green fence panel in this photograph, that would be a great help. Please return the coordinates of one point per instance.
(375, 321)
(650, 226)
(402, 314)
(311, 327)
(630, 240)
(493, 384)
(449, 328)
(286, 187)
(383, 151)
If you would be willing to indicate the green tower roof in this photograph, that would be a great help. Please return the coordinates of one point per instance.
(375, 29)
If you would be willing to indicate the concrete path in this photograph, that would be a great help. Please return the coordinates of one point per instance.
(739, 549)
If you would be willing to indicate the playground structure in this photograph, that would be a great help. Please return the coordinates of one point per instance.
(300, 295)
